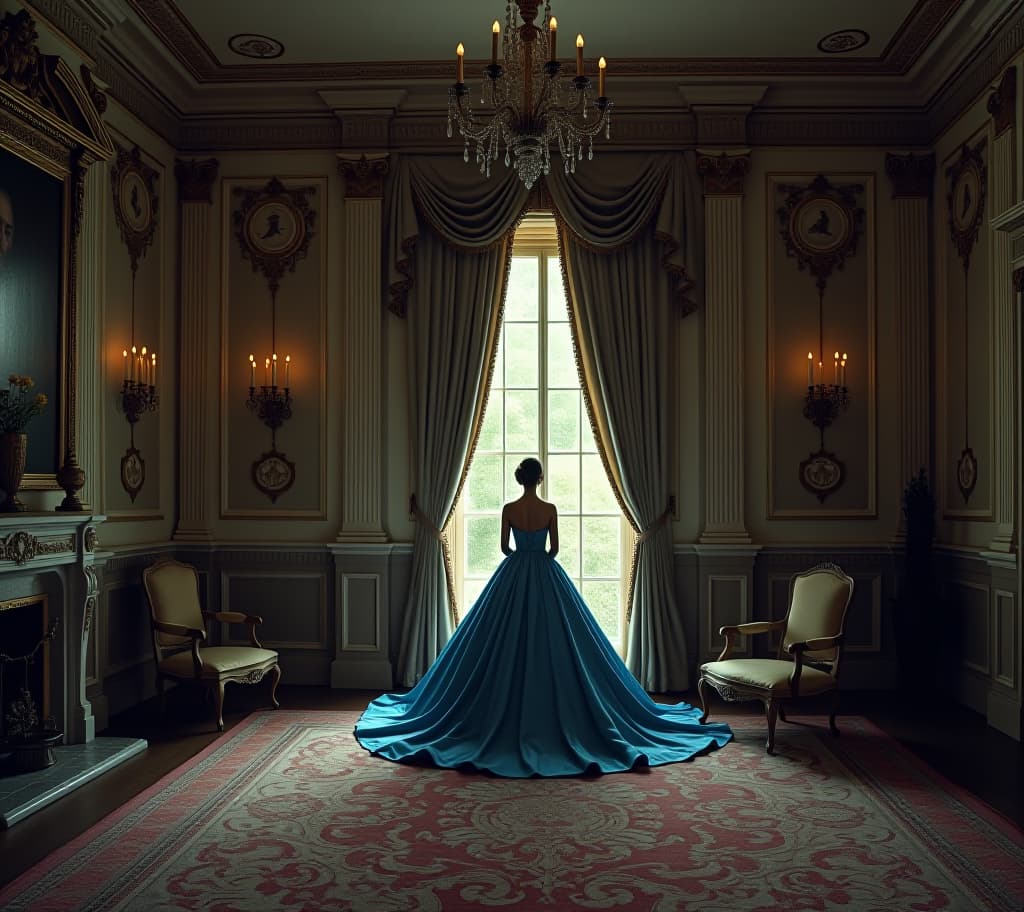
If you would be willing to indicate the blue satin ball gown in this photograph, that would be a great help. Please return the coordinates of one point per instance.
(529, 685)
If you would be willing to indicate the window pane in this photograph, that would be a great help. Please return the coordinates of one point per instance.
(556, 291)
(601, 546)
(471, 590)
(490, 433)
(561, 360)
(563, 482)
(483, 487)
(482, 550)
(564, 420)
(521, 420)
(587, 442)
(569, 543)
(521, 294)
(521, 354)
(597, 491)
(603, 601)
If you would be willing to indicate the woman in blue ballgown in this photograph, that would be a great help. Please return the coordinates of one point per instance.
(529, 685)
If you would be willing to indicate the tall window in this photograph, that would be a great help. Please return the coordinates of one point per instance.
(536, 408)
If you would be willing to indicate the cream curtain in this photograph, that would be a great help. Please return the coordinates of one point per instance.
(622, 231)
(625, 234)
(452, 231)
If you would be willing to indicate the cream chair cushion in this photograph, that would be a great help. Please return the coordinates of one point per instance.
(817, 610)
(217, 660)
(769, 674)
(173, 589)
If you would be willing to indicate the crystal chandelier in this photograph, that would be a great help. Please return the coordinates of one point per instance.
(533, 106)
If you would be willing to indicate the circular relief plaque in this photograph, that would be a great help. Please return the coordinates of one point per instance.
(820, 225)
(821, 474)
(966, 198)
(273, 473)
(274, 228)
(135, 201)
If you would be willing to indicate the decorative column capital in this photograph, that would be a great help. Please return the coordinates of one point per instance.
(195, 179)
(723, 173)
(364, 175)
(911, 175)
(1002, 103)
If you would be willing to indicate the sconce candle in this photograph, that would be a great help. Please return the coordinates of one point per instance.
(495, 31)
(553, 31)
(459, 52)
(287, 371)
(579, 55)
(601, 67)
(810, 369)
(252, 371)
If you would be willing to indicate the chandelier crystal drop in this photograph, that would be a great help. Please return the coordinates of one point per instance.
(532, 106)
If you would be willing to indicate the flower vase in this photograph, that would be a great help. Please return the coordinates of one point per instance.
(13, 450)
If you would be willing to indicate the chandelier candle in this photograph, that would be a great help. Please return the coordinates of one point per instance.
(529, 104)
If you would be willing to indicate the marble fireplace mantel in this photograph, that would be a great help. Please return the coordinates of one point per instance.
(57, 554)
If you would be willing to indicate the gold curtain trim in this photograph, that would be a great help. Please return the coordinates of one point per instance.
(638, 539)
(446, 553)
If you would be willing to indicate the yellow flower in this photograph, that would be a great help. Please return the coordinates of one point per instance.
(41, 399)
(28, 382)
(13, 379)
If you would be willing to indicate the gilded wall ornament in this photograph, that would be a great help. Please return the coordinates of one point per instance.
(965, 203)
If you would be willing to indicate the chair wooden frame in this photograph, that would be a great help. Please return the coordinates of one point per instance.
(192, 637)
(799, 654)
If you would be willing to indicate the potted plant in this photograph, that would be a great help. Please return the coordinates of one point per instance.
(17, 408)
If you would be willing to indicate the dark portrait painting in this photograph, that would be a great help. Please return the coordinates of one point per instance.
(31, 215)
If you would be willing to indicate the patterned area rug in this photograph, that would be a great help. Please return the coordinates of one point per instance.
(287, 811)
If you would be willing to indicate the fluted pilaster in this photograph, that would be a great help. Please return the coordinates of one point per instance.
(195, 185)
(1002, 106)
(362, 480)
(912, 178)
(91, 395)
(723, 176)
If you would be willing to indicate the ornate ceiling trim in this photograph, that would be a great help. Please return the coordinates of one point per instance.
(906, 46)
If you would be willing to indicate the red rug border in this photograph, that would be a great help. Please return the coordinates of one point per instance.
(285, 717)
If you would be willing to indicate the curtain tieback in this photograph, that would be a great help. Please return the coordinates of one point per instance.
(654, 526)
(424, 519)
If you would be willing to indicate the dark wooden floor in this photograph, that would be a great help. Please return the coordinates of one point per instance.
(956, 742)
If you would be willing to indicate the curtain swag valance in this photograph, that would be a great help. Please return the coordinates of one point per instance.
(603, 206)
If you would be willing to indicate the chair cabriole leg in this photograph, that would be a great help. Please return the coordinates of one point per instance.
(218, 696)
(701, 685)
(772, 712)
(275, 677)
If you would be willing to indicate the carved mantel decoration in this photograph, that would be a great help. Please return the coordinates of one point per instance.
(1002, 103)
(52, 122)
(820, 225)
(724, 174)
(274, 226)
(364, 177)
(965, 200)
(21, 547)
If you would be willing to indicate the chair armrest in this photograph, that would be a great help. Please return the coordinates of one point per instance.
(815, 645)
(797, 650)
(237, 617)
(180, 630)
(732, 631)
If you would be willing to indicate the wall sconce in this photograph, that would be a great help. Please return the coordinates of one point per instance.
(824, 401)
(135, 210)
(273, 225)
(271, 403)
(820, 224)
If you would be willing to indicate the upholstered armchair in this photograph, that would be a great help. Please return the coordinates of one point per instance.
(178, 625)
(809, 654)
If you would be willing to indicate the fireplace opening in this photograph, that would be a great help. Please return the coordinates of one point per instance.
(25, 635)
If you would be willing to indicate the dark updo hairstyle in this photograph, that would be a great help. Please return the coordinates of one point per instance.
(529, 472)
